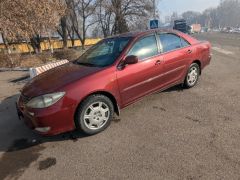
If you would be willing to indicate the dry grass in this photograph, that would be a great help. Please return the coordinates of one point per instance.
(12, 60)
(69, 54)
(27, 60)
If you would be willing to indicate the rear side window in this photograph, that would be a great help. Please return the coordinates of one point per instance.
(170, 42)
(184, 43)
(144, 48)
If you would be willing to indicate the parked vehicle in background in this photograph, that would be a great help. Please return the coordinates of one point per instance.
(235, 30)
(111, 75)
(227, 29)
(196, 28)
(181, 25)
(216, 30)
(205, 29)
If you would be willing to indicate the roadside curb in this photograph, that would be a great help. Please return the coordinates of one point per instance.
(34, 71)
(38, 70)
(14, 69)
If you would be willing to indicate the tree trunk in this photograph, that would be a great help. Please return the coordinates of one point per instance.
(73, 42)
(120, 24)
(36, 44)
(64, 31)
(83, 44)
(71, 35)
(6, 44)
(29, 48)
(50, 44)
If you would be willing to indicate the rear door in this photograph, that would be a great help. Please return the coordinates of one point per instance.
(139, 79)
(176, 53)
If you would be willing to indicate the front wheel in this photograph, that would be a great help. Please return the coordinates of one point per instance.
(192, 76)
(94, 114)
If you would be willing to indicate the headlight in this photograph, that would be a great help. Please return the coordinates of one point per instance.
(45, 100)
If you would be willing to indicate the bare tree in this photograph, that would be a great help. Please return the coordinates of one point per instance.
(81, 16)
(71, 31)
(117, 16)
(191, 17)
(226, 14)
(26, 19)
(105, 16)
(62, 31)
(125, 10)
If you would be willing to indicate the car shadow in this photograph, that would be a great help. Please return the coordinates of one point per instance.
(177, 88)
(14, 135)
(20, 146)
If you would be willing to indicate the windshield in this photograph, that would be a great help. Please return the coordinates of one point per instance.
(104, 53)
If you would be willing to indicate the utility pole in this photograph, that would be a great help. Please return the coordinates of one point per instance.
(154, 9)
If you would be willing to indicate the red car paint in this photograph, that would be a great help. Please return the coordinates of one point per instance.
(123, 86)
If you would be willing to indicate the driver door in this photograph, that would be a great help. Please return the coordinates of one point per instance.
(139, 79)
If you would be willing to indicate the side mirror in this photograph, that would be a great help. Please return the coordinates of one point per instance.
(131, 60)
(127, 61)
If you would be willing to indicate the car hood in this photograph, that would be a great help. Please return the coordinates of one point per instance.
(54, 79)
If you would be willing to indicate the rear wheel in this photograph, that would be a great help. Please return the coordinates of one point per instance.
(192, 76)
(94, 114)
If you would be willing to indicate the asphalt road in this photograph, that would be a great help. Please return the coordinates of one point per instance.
(176, 134)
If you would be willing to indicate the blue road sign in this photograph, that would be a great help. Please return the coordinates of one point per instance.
(154, 24)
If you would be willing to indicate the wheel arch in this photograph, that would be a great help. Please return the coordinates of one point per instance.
(107, 94)
(199, 63)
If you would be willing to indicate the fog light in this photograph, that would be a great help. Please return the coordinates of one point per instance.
(42, 129)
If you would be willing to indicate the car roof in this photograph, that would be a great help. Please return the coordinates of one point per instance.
(142, 33)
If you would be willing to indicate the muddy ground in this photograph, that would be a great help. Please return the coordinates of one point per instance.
(175, 134)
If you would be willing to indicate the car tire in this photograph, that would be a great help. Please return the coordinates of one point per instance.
(94, 114)
(192, 76)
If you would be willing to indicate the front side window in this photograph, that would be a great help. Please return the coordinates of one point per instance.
(170, 42)
(144, 48)
(104, 53)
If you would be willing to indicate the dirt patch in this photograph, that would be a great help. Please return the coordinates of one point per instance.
(193, 119)
(13, 164)
(69, 54)
(47, 163)
(159, 108)
(116, 120)
(17, 80)
(35, 60)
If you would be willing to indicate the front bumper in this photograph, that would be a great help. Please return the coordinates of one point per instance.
(48, 121)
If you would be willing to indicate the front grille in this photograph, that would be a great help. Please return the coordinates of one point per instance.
(24, 99)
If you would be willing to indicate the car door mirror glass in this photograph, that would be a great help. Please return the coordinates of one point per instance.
(127, 61)
(131, 60)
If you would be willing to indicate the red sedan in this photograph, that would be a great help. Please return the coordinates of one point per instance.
(111, 75)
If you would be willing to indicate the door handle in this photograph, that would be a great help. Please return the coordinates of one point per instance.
(189, 51)
(158, 62)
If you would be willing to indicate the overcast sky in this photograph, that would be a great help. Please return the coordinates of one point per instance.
(167, 7)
